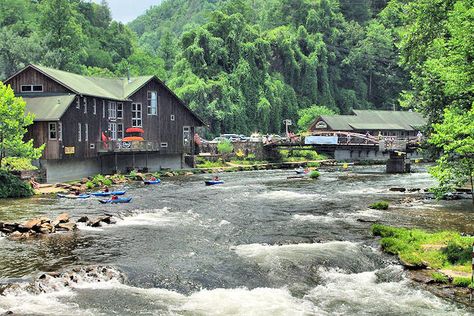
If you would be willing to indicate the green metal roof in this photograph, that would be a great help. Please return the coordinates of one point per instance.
(375, 120)
(109, 88)
(49, 108)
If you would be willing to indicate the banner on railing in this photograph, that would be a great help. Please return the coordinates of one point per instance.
(321, 140)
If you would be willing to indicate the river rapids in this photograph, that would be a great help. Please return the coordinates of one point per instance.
(258, 245)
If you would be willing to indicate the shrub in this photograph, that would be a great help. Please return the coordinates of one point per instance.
(107, 182)
(381, 205)
(225, 147)
(90, 185)
(457, 253)
(12, 187)
(462, 281)
(314, 174)
(440, 277)
(17, 164)
(313, 164)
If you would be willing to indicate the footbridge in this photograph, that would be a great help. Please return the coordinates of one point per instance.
(348, 146)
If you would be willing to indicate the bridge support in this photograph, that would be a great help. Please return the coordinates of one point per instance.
(398, 162)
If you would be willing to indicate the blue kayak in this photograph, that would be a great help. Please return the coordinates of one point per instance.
(213, 182)
(119, 200)
(73, 196)
(157, 181)
(108, 193)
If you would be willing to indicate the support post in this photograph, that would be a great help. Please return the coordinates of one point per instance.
(472, 274)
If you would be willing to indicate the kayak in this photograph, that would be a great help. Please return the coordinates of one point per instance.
(301, 171)
(119, 200)
(213, 182)
(73, 196)
(157, 181)
(108, 193)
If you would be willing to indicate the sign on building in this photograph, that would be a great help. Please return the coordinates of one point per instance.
(321, 140)
(69, 150)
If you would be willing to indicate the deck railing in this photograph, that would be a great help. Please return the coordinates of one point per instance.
(132, 146)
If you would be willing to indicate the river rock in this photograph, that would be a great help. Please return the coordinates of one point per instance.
(16, 235)
(62, 218)
(67, 226)
(32, 223)
(83, 219)
(397, 189)
(168, 175)
(47, 228)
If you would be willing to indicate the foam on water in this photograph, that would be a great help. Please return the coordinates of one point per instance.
(342, 254)
(285, 195)
(378, 292)
(316, 218)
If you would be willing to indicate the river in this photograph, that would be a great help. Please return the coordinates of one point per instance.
(257, 245)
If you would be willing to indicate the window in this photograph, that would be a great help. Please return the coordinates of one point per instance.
(164, 145)
(103, 108)
(86, 131)
(79, 132)
(32, 88)
(53, 131)
(60, 131)
(186, 136)
(113, 131)
(172, 117)
(112, 111)
(85, 105)
(119, 110)
(120, 131)
(94, 107)
(78, 102)
(136, 115)
(152, 103)
(92, 146)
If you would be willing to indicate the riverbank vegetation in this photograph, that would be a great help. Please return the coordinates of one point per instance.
(380, 205)
(449, 253)
(12, 187)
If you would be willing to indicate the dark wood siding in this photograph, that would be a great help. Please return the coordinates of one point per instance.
(39, 133)
(96, 124)
(31, 76)
(160, 127)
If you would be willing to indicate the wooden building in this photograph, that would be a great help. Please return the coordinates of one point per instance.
(84, 121)
(400, 124)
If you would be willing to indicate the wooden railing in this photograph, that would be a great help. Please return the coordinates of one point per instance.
(122, 147)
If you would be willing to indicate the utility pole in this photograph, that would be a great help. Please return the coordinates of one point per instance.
(287, 123)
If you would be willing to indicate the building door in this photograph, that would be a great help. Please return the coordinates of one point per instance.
(187, 137)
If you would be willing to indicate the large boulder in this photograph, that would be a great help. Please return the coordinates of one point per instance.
(47, 228)
(83, 219)
(62, 218)
(32, 223)
(66, 226)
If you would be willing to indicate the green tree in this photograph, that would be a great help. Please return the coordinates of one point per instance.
(62, 34)
(308, 115)
(455, 138)
(224, 148)
(13, 126)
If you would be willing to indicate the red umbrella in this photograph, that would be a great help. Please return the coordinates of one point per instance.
(134, 130)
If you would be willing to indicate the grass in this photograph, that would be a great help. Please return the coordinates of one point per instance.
(380, 205)
(300, 155)
(210, 164)
(248, 162)
(439, 250)
(440, 277)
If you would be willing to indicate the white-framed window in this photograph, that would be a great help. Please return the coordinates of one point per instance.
(78, 102)
(52, 131)
(186, 136)
(164, 145)
(103, 108)
(94, 106)
(86, 132)
(113, 131)
(85, 105)
(136, 115)
(120, 110)
(60, 131)
(172, 118)
(112, 111)
(152, 97)
(32, 88)
(79, 132)
(120, 131)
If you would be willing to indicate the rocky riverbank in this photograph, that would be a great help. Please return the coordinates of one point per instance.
(43, 226)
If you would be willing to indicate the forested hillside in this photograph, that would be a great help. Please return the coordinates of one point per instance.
(245, 65)
(253, 63)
